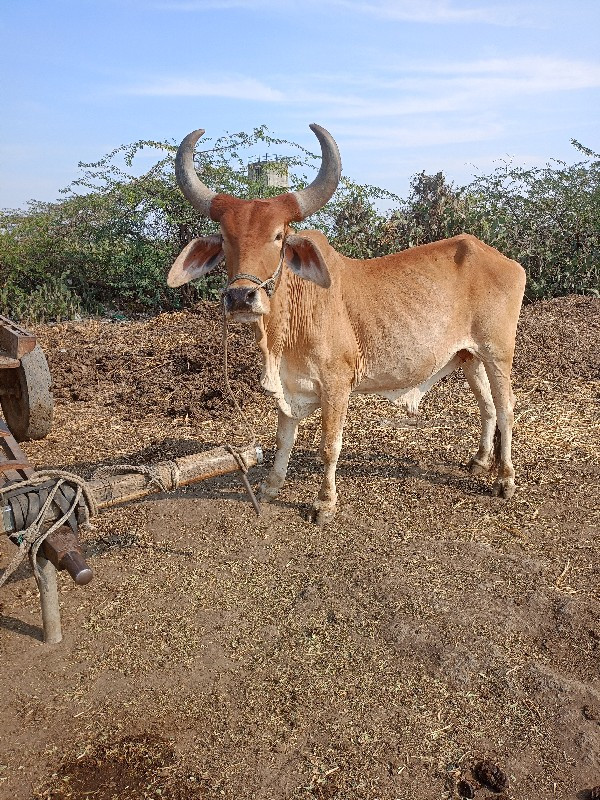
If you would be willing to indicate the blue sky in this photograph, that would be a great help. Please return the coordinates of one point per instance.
(402, 85)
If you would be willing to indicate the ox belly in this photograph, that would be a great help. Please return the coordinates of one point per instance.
(394, 386)
(298, 391)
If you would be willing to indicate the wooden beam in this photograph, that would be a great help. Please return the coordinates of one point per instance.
(118, 489)
(198, 467)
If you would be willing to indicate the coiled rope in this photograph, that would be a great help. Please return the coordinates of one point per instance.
(31, 538)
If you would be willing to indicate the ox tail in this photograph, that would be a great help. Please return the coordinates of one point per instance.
(496, 448)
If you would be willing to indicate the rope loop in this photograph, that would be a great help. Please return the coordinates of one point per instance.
(229, 391)
(235, 452)
(239, 457)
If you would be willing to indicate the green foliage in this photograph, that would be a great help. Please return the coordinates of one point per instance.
(434, 210)
(53, 299)
(546, 218)
(107, 246)
(351, 219)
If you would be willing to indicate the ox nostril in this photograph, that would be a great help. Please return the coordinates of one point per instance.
(251, 296)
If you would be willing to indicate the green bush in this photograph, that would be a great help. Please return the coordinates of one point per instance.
(547, 218)
(108, 245)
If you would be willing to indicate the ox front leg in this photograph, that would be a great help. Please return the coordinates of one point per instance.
(287, 429)
(332, 425)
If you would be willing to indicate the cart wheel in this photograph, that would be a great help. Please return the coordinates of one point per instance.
(26, 398)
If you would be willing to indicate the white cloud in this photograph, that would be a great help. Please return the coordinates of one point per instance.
(233, 87)
(447, 102)
(446, 88)
(396, 91)
(379, 138)
(425, 11)
(527, 73)
(435, 11)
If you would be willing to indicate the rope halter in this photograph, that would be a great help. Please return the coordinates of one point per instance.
(268, 285)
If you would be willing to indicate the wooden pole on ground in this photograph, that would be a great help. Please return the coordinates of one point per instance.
(119, 489)
(123, 488)
(198, 467)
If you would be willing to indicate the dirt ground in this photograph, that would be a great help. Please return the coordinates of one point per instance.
(433, 642)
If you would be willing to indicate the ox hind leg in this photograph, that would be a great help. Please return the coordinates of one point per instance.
(287, 430)
(476, 376)
(498, 374)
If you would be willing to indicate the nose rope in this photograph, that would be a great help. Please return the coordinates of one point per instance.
(236, 452)
(268, 285)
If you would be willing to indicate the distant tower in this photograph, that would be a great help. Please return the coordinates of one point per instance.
(270, 172)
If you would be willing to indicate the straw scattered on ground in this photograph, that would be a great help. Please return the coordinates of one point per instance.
(430, 628)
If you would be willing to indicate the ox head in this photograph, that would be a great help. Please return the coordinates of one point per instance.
(255, 237)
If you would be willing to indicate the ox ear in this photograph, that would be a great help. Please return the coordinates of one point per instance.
(304, 258)
(195, 260)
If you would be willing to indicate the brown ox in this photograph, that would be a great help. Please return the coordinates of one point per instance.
(328, 325)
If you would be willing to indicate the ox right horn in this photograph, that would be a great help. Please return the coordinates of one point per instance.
(199, 195)
(324, 185)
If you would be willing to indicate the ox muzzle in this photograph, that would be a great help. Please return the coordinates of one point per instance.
(241, 302)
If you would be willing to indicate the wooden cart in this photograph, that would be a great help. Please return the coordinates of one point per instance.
(28, 405)
(25, 383)
(61, 548)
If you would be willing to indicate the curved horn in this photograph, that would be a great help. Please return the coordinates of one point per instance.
(199, 195)
(324, 185)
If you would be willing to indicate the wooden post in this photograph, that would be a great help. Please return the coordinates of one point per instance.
(46, 581)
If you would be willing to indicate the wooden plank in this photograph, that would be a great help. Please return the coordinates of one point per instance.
(14, 340)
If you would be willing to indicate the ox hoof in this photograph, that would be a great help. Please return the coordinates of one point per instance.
(504, 487)
(321, 514)
(477, 467)
(266, 494)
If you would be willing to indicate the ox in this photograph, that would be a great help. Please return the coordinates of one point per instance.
(327, 325)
